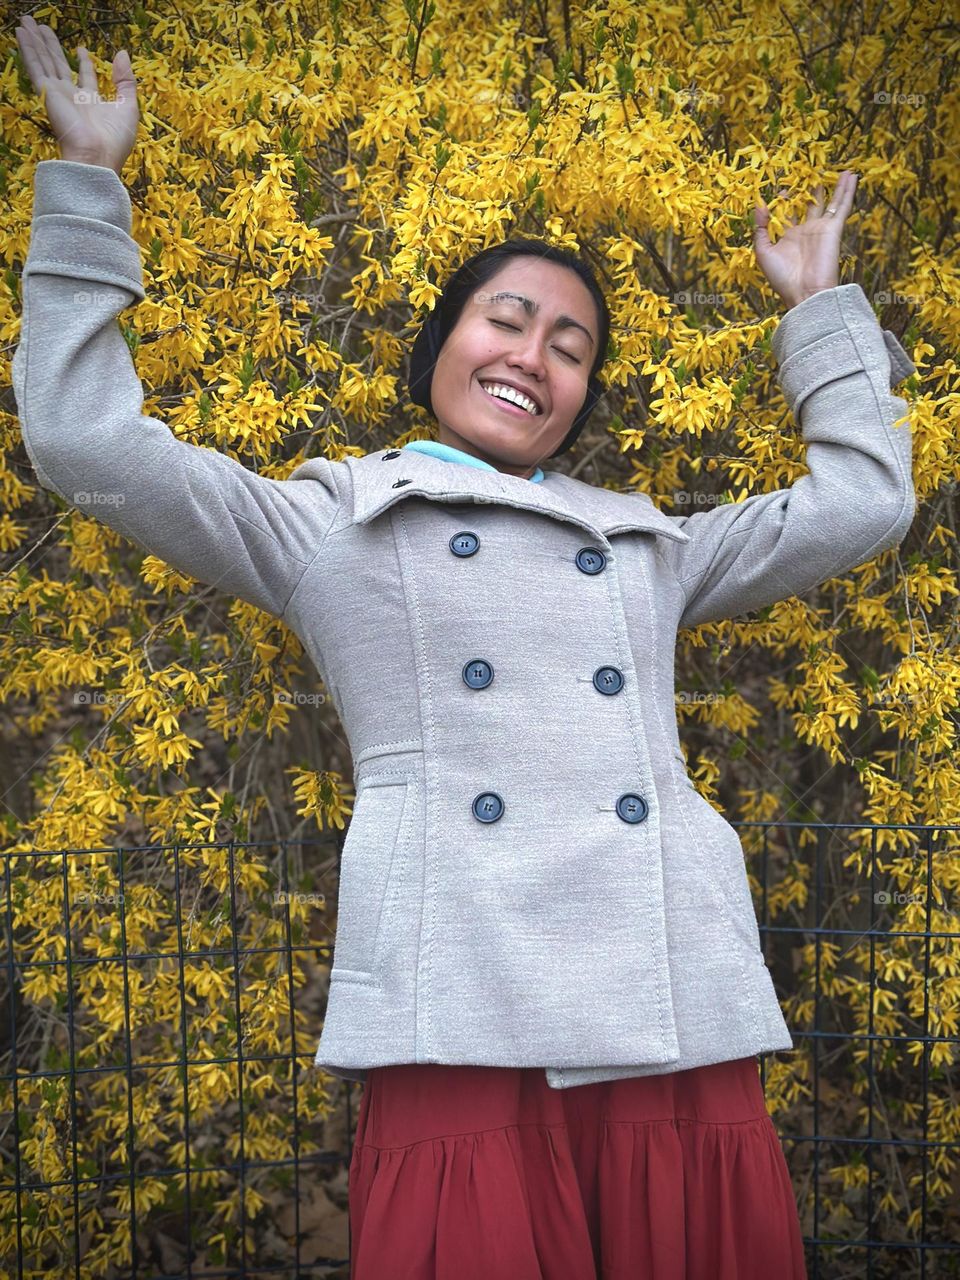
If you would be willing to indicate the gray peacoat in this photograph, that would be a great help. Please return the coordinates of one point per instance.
(529, 877)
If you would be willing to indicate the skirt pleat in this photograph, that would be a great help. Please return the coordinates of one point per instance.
(478, 1173)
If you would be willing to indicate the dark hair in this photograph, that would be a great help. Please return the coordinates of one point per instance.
(456, 293)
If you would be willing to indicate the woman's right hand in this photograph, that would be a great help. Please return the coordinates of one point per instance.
(88, 128)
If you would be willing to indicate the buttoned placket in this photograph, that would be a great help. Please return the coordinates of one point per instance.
(609, 680)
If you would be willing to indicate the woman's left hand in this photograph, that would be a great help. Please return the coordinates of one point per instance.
(806, 258)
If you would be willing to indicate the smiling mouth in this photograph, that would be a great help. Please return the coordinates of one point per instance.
(508, 405)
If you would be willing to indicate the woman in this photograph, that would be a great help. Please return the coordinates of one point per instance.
(547, 966)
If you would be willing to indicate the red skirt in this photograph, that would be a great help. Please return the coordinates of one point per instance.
(486, 1173)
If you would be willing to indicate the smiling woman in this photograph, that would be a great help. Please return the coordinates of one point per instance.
(547, 968)
(507, 362)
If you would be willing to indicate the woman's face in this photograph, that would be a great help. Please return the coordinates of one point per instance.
(497, 340)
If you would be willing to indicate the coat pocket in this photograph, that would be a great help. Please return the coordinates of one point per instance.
(727, 872)
(369, 866)
(678, 755)
(734, 885)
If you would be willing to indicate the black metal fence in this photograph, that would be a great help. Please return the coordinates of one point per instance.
(870, 1129)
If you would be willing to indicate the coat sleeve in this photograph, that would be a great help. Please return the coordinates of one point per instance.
(836, 367)
(80, 402)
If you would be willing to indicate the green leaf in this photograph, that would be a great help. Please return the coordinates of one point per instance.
(827, 75)
(564, 66)
(626, 81)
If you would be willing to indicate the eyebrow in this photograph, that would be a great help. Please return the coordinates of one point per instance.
(531, 308)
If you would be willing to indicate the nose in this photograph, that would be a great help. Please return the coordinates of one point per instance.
(528, 356)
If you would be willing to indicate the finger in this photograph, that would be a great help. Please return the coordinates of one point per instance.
(59, 67)
(843, 194)
(849, 192)
(87, 73)
(123, 76)
(41, 65)
(30, 60)
(783, 194)
(815, 207)
(761, 223)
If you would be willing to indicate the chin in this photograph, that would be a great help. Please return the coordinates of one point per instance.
(505, 447)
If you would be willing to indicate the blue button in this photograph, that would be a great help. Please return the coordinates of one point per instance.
(477, 674)
(488, 806)
(394, 453)
(632, 808)
(590, 560)
(608, 679)
(464, 543)
(397, 483)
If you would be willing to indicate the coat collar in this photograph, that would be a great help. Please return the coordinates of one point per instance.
(601, 512)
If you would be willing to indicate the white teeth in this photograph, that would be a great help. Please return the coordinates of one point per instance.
(501, 392)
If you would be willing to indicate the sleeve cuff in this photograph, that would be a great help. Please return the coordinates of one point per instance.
(81, 227)
(830, 335)
(901, 366)
(87, 190)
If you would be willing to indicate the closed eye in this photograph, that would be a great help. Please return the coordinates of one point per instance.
(504, 325)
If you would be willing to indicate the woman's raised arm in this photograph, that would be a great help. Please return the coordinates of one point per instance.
(78, 396)
(836, 369)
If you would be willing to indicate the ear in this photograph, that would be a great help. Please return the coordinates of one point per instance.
(423, 356)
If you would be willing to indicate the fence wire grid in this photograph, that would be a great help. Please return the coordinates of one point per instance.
(54, 1087)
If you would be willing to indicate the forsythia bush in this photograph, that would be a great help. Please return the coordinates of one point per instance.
(306, 178)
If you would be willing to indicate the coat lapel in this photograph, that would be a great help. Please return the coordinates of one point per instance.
(601, 512)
